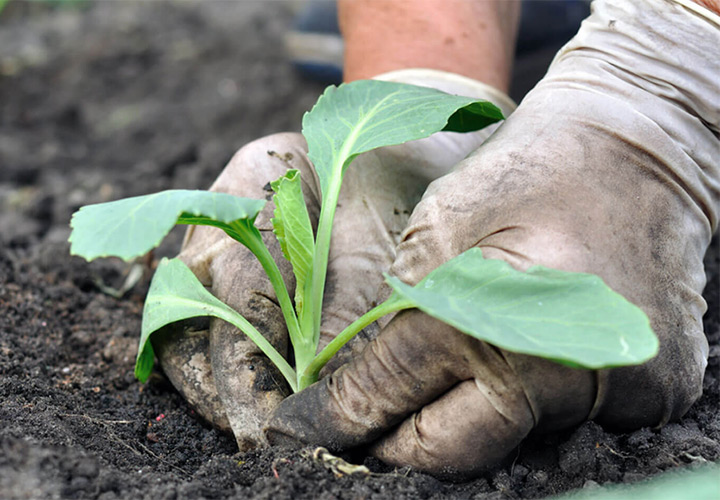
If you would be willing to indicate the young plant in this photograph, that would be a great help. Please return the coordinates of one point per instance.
(571, 318)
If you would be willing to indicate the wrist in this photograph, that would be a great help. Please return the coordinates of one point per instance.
(712, 5)
(471, 38)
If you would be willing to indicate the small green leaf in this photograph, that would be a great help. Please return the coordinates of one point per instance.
(293, 230)
(176, 294)
(572, 318)
(367, 114)
(132, 227)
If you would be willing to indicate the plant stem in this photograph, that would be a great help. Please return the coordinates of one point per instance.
(231, 316)
(322, 252)
(330, 196)
(248, 235)
(310, 374)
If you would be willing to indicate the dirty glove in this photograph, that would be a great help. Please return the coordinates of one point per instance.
(609, 166)
(221, 372)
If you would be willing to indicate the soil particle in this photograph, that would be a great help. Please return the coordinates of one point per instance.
(579, 452)
(115, 99)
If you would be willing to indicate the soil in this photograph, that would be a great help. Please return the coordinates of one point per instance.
(113, 99)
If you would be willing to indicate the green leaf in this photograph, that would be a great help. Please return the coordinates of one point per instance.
(572, 318)
(367, 114)
(293, 230)
(176, 294)
(474, 116)
(699, 483)
(132, 227)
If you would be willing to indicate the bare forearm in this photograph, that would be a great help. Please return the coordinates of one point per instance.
(475, 38)
(713, 5)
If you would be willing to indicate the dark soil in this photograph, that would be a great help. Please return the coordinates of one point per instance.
(115, 99)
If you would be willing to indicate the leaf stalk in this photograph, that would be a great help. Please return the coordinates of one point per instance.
(310, 374)
(248, 235)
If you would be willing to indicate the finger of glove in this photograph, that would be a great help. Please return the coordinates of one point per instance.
(412, 362)
(183, 349)
(462, 433)
(248, 383)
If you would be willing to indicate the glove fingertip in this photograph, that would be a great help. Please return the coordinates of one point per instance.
(280, 439)
(306, 418)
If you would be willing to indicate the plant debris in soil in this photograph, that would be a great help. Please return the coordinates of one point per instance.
(113, 99)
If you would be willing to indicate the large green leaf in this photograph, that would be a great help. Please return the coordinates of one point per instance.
(572, 318)
(132, 227)
(367, 114)
(176, 294)
(293, 230)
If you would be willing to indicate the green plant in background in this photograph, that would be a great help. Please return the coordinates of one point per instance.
(571, 318)
(697, 483)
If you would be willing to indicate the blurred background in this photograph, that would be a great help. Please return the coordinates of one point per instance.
(105, 99)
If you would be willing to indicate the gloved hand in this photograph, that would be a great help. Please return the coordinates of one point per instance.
(218, 370)
(609, 166)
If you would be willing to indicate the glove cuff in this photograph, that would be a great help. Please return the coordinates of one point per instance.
(451, 83)
(664, 47)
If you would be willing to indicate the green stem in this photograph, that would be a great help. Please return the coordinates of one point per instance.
(231, 316)
(248, 235)
(245, 232)
(322, 252)
(304, 346)
(310, 374)
(307, 347)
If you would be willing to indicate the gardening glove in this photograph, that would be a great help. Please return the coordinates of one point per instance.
(221, 372)
(609, 166)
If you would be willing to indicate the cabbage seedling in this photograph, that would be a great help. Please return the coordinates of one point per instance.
(571, 318)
